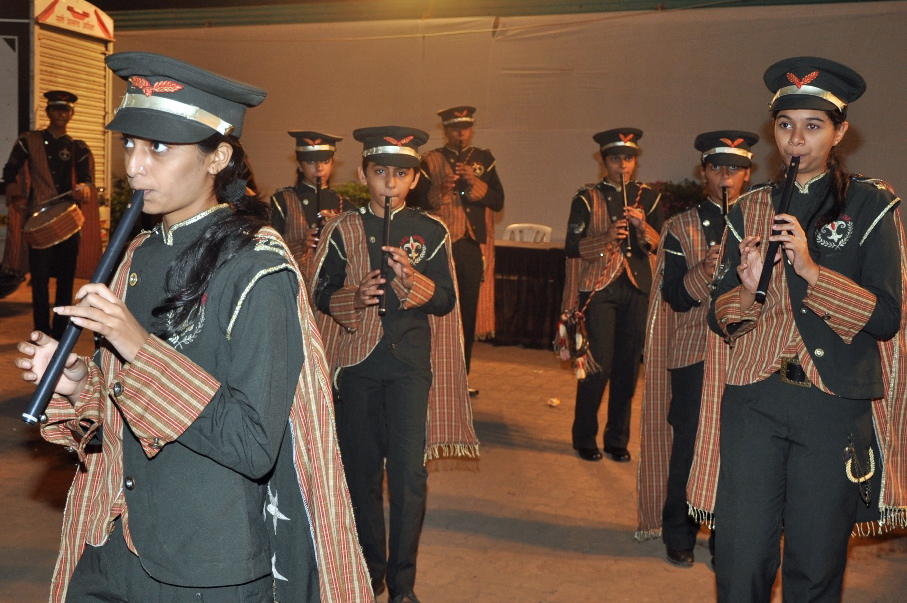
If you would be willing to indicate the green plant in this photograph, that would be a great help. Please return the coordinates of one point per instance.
(354, 191)
(678, 196)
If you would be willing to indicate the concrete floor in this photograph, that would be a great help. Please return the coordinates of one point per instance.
(529, 522)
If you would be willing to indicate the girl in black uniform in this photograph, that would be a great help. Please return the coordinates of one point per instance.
(804, 366)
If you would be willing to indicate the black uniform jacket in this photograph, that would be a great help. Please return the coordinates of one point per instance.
(673, 289)
(195, 509)
(861, 245)
(483, 164)
(407, 332)
(306, 194)
(637, 193)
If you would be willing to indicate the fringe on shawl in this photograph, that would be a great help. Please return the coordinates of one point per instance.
(643, 535)
(439, 451)
(701, 516)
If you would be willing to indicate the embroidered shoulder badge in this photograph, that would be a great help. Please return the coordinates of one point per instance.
(414, 246)
(478, 168)
(835, 235)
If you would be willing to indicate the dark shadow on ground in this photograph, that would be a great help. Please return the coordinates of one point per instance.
(498, 433)
(57, 466)
(545, 530)
(12, 308)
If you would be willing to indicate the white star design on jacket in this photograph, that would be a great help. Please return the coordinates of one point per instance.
(274, 571)
(271, 507)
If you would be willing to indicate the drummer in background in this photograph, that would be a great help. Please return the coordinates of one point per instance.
(299, 211)
(44, 164)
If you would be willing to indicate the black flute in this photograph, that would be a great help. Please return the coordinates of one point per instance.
(382, 303)
(318, 221)
(623, 189)
(45, 389)
(783, 206)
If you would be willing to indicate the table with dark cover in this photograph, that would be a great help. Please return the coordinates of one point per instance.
(529, 285)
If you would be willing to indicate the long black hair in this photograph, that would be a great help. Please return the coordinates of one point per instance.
(191, 271)
(839, 177)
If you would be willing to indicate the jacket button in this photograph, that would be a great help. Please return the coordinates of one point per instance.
(133, 279)
(803, 310)
(129, 483)
(305, 201)
(819, 352)
(706, 223)
(826, 316)
(117, 389)
(156, 444)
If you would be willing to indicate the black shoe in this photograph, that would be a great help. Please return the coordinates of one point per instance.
(473, 392)
(680, 558)
(589, 454)
(619, 455)
(409, 597)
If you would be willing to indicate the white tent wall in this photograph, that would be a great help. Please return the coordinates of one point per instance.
(543, 85)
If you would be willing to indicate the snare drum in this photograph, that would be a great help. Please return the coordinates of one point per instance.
(52, 224)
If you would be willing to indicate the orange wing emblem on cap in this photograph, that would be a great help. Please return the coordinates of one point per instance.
(728, 142)
(311, 142)
(399, 143)
(460, 113)
(806, 79)
(627, 138)
(148, 88)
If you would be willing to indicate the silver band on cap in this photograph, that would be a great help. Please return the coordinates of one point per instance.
(174, 107)
(619, 144)
(458, 120)
(811, 91)
(392, 150)
(727, 150)
(59, 102)
(316, 147)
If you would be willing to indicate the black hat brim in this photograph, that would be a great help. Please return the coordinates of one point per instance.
(394, 160)
(156, 125)
(728, 159)
(621, 150)
(314, 155)
(802, 101)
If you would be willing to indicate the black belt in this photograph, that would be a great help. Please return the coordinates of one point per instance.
(792, 372)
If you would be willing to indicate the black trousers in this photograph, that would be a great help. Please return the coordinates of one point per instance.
(470, 267)
(58, 262)
(381, 421)
(678, 528)
(615, 323)
(782, 466)
(113, 574)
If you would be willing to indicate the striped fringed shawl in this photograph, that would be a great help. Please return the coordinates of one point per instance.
(485, 319)
(889, 413)
(449, 425)
(343, 576)
(657, 436)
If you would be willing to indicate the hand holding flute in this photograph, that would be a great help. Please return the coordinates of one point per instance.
(382, 303)
(100, 311)
(769, 260)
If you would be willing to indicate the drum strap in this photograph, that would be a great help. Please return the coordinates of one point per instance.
(42, 182)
